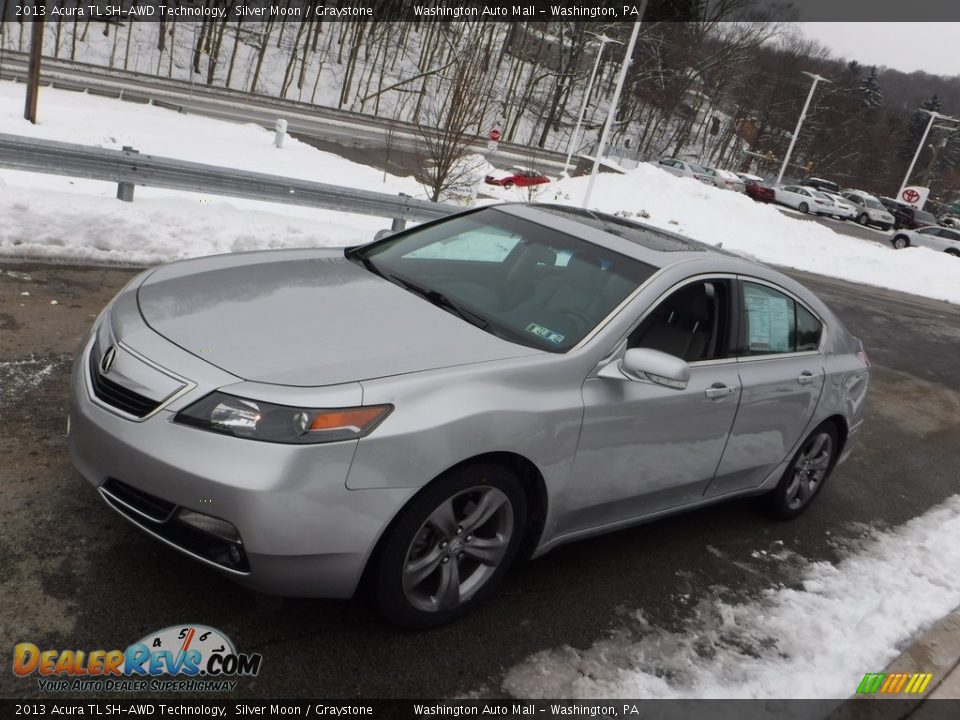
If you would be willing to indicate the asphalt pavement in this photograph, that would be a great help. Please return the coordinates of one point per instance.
(77, 576)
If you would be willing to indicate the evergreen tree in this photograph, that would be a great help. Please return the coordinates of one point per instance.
(917, 126)
(870, 92)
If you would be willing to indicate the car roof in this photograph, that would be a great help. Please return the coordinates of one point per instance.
(646, 243)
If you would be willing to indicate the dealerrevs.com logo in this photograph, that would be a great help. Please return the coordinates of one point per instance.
(182, 658)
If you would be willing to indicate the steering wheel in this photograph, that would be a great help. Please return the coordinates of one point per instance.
(577, 314)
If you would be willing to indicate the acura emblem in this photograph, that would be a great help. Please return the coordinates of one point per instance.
(106, 362)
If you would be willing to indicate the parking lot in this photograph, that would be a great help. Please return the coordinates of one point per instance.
(77, 576)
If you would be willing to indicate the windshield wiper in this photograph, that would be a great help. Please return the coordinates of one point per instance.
(366, 262)
(440, 300)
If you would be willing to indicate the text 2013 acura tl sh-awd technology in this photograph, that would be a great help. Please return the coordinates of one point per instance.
(428, 407)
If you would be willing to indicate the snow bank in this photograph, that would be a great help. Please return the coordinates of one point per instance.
(761, 231)
(147, 232)
(816, 641)
(164, 225)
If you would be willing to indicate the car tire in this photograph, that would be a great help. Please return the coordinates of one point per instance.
(863, 219)
(508, 185)
(885, 228)
(433, 542)
(953, 251)
(901, 241)
(804, 208)
(806, 474)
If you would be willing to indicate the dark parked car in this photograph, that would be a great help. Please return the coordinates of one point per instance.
(759, 192)
(909, 218)
(821, 184)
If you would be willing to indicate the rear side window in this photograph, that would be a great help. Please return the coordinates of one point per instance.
(774, 323)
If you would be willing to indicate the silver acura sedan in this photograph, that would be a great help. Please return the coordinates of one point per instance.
(419, 412)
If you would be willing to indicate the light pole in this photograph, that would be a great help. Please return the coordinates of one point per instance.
(603, 39)
(613, 105)
(803, 114)
(934, 115)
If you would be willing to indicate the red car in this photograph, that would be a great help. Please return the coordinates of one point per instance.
(519, 176)
(759, 192)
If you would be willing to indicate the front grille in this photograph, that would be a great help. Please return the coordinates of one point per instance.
(115, 395)
(136, 505)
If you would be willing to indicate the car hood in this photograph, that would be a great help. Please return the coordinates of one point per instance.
(307, 318)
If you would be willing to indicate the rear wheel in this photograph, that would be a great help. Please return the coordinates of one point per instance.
(508, 184)
(451, 545)
(804, 208)
(806, 474)
(901, 241)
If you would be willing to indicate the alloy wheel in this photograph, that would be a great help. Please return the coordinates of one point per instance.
(810, 470)
(457, 549)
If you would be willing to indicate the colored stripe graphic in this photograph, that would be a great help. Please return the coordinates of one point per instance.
(894, 683)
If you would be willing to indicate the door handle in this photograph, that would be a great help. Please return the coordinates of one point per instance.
(719, 390)
(807, 377)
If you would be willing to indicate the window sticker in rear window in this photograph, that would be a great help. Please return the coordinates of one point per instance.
(546, 333)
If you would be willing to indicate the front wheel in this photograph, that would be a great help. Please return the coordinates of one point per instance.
(806, 474)
(954, 252)
(863, 219)
(508, 185)
(900, 242)
(804, 208)
(450, 546)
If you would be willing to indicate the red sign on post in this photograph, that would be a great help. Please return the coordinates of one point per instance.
(495, 134)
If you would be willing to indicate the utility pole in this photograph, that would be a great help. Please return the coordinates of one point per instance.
(611, 115)
(933, 117)
(796, 132)
(33, 74)
(603, 39)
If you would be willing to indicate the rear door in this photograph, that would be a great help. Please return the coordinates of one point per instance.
(781, 375)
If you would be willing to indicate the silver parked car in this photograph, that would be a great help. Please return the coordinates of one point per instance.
(934, 237)
(684, 168)
(422, 410)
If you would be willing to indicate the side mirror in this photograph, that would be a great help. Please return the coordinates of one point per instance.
(644, 364)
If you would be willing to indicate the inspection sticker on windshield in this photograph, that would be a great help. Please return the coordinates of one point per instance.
(546, 333)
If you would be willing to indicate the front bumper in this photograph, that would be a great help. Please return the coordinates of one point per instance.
(302, 531)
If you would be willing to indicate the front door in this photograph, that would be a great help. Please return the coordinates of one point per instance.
(645, 447)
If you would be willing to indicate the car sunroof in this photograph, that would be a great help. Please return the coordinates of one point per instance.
(623, 228)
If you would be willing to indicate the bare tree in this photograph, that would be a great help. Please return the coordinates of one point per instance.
(452, 118)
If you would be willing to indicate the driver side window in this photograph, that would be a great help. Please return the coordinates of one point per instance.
(692, 323)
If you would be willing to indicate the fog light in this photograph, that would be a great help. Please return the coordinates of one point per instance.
(210, 524)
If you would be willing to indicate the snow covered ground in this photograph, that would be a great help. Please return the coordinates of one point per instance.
(79, 219)
(812, 641)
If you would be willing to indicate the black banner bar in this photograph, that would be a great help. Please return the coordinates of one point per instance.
(867, 709)
(594, 11)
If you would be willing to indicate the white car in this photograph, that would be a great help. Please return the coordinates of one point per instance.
(804, 199)
(682, 168)
(725, 179)
(934, 237)
(842, 208)
(870, 211)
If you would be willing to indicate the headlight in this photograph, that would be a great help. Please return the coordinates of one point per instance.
(257, 420)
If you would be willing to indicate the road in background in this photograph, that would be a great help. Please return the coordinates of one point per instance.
(77, 576)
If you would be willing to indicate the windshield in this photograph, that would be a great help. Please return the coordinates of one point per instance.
(513, 278)
(696, 168)
(924, 217)
(873, 203)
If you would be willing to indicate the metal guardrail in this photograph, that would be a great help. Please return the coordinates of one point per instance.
(128, 168)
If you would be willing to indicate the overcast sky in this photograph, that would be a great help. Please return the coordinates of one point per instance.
(929, 46)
